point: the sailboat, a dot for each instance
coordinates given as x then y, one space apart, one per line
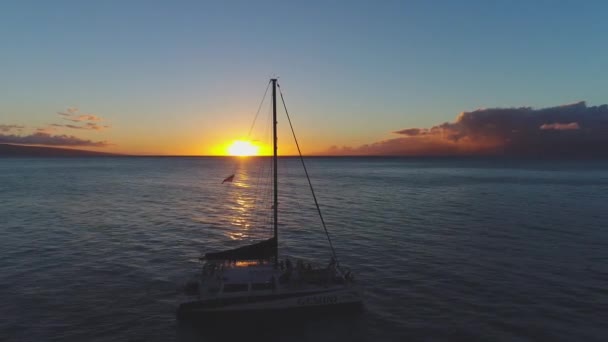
255 279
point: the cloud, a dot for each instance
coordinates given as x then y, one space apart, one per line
42 138
86 126
47 135
81 118
73 114
8 128
69 112
413 131
96 127
572 129
46 130
73 126
83 121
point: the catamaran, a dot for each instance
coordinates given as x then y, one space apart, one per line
255 279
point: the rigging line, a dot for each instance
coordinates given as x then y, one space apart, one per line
312 190
258 112
236 165
257 193
260 189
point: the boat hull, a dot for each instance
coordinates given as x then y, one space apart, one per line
318 302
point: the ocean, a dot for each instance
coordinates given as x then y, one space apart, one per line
96 249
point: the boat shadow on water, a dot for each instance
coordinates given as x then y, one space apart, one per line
344 324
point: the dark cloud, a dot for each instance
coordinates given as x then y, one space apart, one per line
568 130
413 131
8 128
42 138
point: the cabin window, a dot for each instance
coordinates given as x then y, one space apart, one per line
261 286
235 287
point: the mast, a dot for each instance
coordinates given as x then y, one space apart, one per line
275 205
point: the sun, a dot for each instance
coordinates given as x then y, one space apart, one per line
243 148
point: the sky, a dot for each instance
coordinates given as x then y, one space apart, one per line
186 77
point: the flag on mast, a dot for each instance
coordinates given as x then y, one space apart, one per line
228 179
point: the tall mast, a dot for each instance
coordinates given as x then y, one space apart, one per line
275 179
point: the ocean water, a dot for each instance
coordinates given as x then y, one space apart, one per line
96 249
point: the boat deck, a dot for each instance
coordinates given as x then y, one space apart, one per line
237 288
252 279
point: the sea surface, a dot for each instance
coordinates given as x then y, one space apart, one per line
97 249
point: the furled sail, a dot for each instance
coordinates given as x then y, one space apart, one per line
261 250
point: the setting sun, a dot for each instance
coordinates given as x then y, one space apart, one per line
243 148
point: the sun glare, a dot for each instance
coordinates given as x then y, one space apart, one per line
243 148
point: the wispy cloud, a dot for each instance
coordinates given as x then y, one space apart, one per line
46 130
573 129
69 111
9 128
86 126
81 118
73 114
41 138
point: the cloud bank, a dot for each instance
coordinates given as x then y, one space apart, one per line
46 135
567 130
41 138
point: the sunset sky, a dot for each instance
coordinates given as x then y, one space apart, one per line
186 77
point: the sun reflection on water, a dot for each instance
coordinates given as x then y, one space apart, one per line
246 209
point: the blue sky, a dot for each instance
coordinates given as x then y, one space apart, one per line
177 77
